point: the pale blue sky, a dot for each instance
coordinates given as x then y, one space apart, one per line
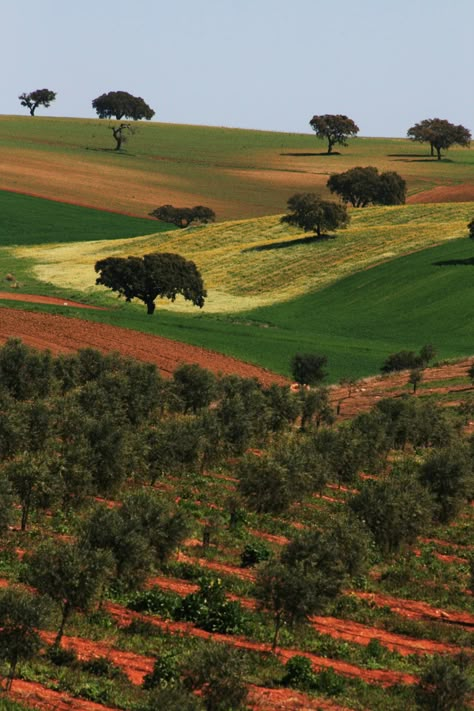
266 64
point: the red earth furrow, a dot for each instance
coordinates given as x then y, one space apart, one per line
39 697
417 610
371 676
60 334
334 627
445 544
363 634
243 573
443 557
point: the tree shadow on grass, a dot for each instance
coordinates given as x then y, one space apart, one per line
417 158
469 262
311 155
289 243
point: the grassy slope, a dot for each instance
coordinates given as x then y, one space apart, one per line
356 320
28 220
239 173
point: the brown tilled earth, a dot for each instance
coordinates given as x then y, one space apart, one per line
61 334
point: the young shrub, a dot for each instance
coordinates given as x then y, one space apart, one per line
218 672
445 685
253 554
154 601
165 673
210 610
299 673
103 667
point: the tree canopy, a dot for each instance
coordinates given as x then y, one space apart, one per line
121 104
39 97
184 216
365 186
440 134
308 211
162 274
335 128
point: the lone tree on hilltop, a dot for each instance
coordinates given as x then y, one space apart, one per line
184 216
39 97
160 274
440 134
121 104
336 128
364 186
312 214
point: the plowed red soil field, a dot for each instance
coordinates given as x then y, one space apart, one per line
65 335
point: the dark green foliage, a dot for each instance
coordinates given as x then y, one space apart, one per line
470 227
38 97
395 510
69 574
242 413
121 104
103 667
184 216
165 673
448 475
335 128
61 657
143 532
210 610
21 615
311 572
365 186
284 407
175 698
315 407
274 479
446 684
160 274
308 368
311 214
33 482
254 553
440 134
417 422
25 373
403 360
194 386
6 500
218 671
299 673
162 456
155 601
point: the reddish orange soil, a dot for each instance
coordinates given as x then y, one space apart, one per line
39 697
443 557
288 700
381 677
416 610
243 573
445 544
363 634
65 335
37 299
445 193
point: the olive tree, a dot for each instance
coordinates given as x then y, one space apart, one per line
38 97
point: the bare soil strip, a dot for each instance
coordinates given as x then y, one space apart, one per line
416 610
60 334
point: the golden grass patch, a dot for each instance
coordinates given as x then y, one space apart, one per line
256 262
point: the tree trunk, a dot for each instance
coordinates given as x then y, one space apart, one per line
11 674
59 636
277 631
438 152
25 510
150 307
330 145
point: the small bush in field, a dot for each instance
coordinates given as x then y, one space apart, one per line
61 657
165 673
154 601
254 553
101 666
299 673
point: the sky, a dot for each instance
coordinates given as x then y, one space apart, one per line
260 64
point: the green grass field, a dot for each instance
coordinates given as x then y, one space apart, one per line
272 292
239 173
